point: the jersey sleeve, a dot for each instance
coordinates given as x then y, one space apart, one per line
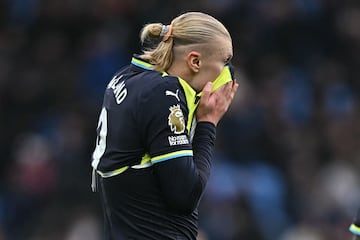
183 181
164 116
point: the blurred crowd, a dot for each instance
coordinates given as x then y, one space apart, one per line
287 163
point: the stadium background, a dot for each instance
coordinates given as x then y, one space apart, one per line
287 161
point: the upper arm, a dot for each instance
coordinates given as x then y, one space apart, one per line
166 139
163 122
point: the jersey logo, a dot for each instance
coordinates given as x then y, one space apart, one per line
178 140
170 93
176 119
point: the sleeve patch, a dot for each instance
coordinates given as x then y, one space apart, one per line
178 140
176 120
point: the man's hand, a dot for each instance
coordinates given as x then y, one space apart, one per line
212 106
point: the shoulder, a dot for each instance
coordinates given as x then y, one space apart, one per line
156 85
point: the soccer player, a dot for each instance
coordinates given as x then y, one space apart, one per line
157 127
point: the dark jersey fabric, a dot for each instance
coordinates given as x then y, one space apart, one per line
158 201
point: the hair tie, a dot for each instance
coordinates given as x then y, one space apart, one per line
166 32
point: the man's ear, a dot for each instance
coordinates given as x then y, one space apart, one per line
193 61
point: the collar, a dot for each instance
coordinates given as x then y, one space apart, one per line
189 91
141 63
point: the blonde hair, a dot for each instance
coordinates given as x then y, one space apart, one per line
188 28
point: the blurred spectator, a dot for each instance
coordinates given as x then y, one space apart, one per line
31 179
302 232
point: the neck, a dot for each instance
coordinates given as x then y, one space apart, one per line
181 71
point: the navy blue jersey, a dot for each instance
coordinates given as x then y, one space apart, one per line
152 162
146 118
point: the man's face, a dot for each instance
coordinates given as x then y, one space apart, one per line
213 62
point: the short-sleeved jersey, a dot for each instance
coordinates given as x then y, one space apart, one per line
146 118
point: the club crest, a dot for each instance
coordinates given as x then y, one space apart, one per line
176 119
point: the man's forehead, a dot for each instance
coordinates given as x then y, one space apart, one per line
226 48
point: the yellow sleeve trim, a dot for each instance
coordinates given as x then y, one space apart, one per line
113 173
172 155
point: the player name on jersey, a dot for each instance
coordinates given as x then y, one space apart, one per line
119 89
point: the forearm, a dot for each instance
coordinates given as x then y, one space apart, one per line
183 180
203 144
